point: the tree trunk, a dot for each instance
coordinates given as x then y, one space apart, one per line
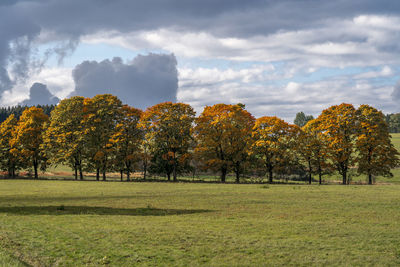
344 176
35 167
369 178
80 172
270 175
122 174
144 170
174 173
223 174
104 174
237 172
320 177
98 174
309 172
128 175
169 176
13 172
76 172
174 169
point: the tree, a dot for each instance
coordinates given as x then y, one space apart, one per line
338 125
273 142
312 148
27 140
302 119
394 122
127 139
223 136
376 154
64 141
8 161
100 116
168 127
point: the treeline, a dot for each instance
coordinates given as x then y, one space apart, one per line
5 112
101 135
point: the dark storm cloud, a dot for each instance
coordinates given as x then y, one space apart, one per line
40 95
16 35
146 81
224 17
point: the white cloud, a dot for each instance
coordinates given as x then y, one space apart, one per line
58 80
386 71
361 41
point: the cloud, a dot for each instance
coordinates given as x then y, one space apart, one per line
269 95
364 40
304 35
386 71
40 95
145 81
396 92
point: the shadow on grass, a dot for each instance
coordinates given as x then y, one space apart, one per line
84 210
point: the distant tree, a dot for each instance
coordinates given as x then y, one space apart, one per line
126 140
64 138
394 122
376 154
100 117
8 161
273 143
5 112
223 136
27 139
338 124
168 128
302 119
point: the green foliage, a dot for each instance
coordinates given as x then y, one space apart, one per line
301 119
168 128
5 112
64 137
394 122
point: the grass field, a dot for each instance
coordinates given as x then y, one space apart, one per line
396 140
44 223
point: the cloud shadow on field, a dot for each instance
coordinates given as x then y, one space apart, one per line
85 210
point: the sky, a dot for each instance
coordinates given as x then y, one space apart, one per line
276 57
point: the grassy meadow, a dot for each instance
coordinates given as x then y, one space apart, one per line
47 223
75 223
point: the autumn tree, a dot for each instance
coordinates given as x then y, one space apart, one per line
223 136
338 124
312 148
64 139
100 116
126 139
273 143
8 160
376 154
168 128
27 140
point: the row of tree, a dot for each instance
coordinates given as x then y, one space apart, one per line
5 112
101 135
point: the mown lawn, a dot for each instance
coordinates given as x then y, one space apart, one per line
45 223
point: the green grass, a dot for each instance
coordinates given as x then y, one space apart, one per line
47 223
396 140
